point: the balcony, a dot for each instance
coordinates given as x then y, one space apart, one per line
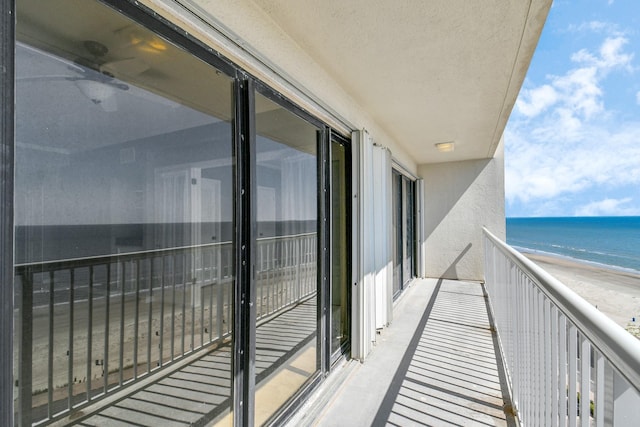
420 371
454 363
519 349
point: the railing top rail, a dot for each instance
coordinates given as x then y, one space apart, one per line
288 236
102 259
616 344
127 256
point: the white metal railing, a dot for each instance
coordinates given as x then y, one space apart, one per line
557 348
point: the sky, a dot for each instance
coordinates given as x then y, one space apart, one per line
572 143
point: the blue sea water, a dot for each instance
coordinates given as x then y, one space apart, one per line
608 241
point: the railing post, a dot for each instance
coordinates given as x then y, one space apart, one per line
136 321
555 396
573 378
122 322
607 395
150 315
562 367
299 259
626 403
527 366
26 348
516 345
90 332
70 339
585 381
538 351
50 386
105 361
548 367
219 295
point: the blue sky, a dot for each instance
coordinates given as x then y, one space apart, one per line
572 144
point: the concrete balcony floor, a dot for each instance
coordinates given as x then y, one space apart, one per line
436 364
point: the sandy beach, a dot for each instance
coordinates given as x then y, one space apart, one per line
615 293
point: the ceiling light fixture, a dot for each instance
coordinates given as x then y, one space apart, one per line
445 147
99 93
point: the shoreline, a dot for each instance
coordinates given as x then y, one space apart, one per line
614 292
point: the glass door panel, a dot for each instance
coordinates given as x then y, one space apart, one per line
340 270
409 240
123 221
286 256
403 199
396 194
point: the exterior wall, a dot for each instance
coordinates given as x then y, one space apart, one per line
459 199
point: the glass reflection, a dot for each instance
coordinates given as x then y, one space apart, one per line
286 287
123 221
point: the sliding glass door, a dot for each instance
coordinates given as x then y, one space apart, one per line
403 199
180 240
340 254
286 288
409 239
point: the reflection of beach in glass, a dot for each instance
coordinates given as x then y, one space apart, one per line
123 214
286 176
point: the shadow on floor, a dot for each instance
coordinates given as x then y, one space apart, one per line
200 392
449 374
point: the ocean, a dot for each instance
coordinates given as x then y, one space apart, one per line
612 242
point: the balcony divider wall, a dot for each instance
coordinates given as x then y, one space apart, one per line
173 216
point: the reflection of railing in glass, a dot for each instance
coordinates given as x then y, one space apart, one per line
285 272
162 305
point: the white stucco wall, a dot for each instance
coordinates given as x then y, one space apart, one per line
459 199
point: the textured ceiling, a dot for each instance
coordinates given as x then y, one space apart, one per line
426 71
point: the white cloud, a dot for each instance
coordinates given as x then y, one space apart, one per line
612 55
562 140
638 98
594 27
549 167
533 102
608 207
580 91
577 93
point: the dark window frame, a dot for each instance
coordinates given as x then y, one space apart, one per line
344 350
405 182
7 144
